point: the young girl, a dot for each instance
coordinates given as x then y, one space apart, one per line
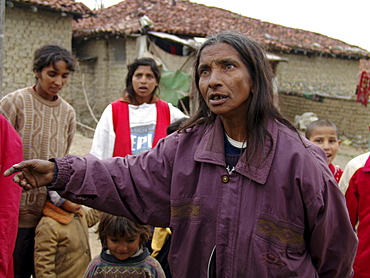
123 250
46 124
134 123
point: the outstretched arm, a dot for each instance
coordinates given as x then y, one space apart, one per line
32 173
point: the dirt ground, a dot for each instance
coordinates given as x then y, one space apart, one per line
81 145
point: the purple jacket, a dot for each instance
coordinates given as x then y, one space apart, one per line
285 218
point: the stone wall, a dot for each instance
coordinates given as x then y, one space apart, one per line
352 118
331 76
25 31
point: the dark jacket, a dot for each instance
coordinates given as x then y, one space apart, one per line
282 216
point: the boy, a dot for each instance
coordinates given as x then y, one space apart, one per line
324 134
62 240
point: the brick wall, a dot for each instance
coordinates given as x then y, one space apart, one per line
104 70
25 31
337 77
351 117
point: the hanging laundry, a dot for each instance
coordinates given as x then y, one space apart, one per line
363 88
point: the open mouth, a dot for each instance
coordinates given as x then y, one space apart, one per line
218 97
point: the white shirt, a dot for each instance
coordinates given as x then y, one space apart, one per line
143 119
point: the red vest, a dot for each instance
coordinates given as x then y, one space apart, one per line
121 125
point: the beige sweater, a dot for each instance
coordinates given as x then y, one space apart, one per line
47 129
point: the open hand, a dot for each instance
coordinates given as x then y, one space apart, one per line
32 173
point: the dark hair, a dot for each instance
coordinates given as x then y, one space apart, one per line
119 226
319 123
260 108
50 54
176 125
131 70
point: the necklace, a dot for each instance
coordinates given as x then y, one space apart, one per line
230 171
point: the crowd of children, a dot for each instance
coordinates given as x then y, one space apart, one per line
53 239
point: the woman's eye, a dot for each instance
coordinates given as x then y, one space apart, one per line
203 72
230 66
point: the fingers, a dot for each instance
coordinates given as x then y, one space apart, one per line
14 169
18 177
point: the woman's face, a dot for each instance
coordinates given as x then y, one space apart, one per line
51 80
144 83
224 81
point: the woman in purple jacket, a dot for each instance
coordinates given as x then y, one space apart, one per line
243 193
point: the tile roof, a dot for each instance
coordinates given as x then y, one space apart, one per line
66 6
182 17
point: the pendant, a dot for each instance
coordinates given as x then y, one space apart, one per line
230 171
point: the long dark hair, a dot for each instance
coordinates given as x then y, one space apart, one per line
131 70
260 108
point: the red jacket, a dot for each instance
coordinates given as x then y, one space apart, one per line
357 178
10 195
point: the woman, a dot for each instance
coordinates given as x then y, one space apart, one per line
46 124
243 193
134 123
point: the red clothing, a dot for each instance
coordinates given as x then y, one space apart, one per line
337 172
10 196
363 88
121 123
358 204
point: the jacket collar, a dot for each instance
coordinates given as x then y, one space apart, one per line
58 214
211 150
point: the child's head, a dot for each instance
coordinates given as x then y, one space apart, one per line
52 65
121 236
324 134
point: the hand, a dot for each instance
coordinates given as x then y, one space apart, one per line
33 173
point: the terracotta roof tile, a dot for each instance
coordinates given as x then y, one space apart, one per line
182 17
67 6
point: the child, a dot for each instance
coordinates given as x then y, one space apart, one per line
355 184
324 134
62 239
46 124
123 250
